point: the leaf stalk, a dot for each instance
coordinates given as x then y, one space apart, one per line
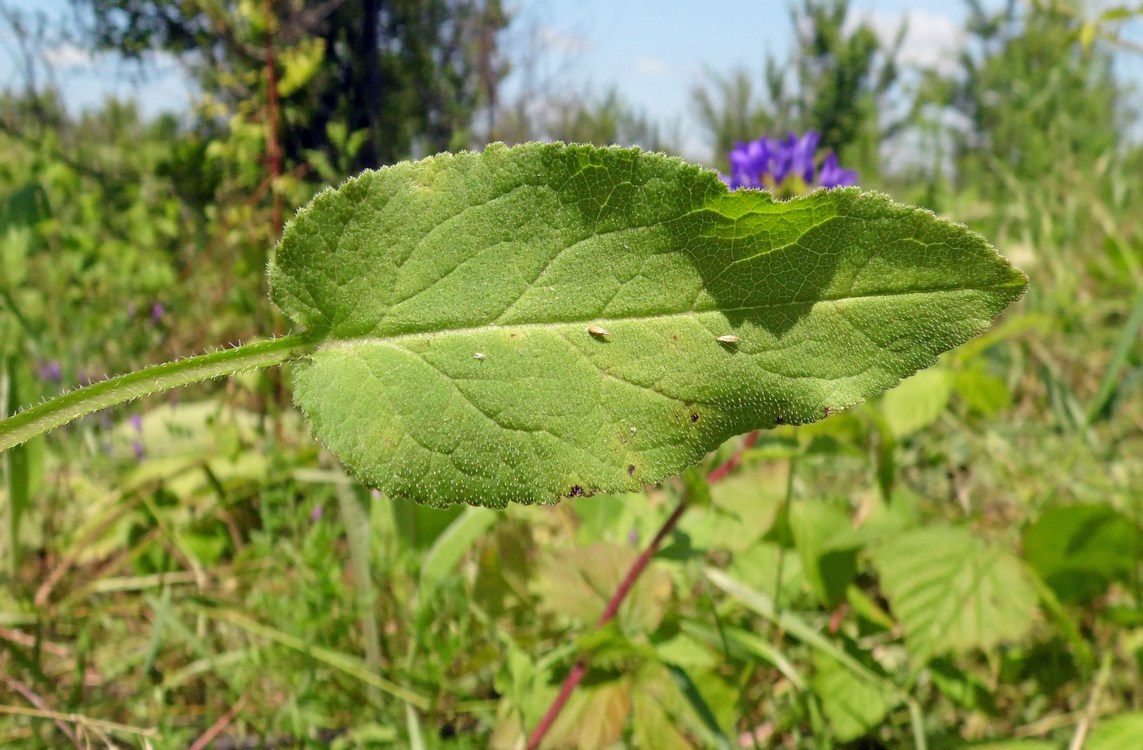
70 406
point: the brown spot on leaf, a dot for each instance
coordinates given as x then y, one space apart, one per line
694 417
576 491
631 470
827 411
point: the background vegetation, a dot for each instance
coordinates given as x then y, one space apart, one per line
957 564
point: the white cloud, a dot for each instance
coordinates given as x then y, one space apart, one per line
69 57
932 40
650 66
558 41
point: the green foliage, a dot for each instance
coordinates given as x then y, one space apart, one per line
853 705
1035 97
216 583
1118 733
603 121
408 73
443 380
1080 550
835 83
952 592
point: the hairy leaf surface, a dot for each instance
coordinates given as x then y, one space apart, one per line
542 321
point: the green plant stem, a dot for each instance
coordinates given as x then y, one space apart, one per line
62 409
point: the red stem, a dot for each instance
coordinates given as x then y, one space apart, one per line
579 670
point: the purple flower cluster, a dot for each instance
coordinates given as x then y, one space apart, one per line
158 310
768 162
50 371
136 421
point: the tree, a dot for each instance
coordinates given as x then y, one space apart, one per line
833 83
1035 99
409 74
580 117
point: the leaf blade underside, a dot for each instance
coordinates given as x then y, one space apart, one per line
454 297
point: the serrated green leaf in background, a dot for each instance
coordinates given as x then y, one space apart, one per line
828 546
917 402
577 582
542 321
953 592
1079 550
652 725
853 705
981 392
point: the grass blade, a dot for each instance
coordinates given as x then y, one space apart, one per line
1128 337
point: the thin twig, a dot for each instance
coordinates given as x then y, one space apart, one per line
1089 714
96 725
579 670
216 728
32 697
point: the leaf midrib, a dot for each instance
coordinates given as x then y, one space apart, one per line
335 342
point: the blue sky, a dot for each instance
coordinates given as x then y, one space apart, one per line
655 52
652 52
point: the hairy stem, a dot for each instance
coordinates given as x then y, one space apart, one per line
62 409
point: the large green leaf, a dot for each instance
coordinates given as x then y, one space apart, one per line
454 299
953 592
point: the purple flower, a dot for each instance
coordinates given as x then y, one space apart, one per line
136 422
795 156
157 311
317 513
749 161
768 162
833 175
137 446
50 371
